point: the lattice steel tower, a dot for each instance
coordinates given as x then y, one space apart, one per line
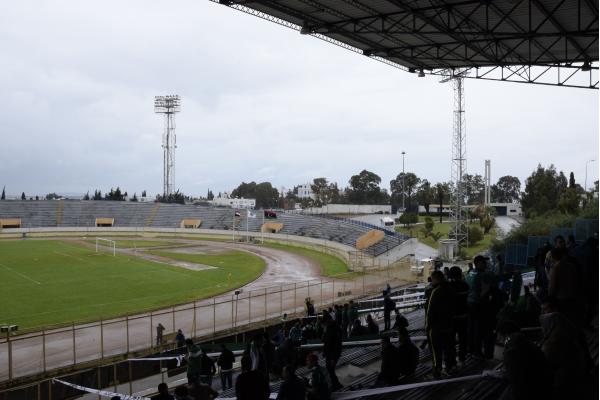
458 215
168 105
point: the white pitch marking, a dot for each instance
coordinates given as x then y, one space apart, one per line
20 274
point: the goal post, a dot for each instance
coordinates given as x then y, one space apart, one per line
107 243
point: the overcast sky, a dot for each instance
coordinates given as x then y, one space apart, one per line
259 102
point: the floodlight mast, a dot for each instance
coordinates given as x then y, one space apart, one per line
168 106
458 214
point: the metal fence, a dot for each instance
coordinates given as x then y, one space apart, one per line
38 352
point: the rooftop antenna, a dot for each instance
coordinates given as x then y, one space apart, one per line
168 105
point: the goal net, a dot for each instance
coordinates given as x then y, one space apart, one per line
106 243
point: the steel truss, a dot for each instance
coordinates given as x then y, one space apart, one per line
489 38
458 214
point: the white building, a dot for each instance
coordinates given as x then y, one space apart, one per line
224 200
305 192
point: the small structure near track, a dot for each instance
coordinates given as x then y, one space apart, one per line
105 222
369 239
10 223
190 223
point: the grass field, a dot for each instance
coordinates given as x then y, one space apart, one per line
330 265
48 282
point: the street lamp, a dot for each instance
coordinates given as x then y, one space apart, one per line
403 188
586 165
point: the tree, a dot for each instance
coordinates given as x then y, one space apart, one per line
86 196
37 198
210 195
475 235
474 189
569 200
487 222
134 198
365 189
406 187
97 195
425 195
408 218
115 195
324 191
543 189
144 193
572 180
3 196
264 193
442 193
428 227
176 197
506 190
23 197
52 196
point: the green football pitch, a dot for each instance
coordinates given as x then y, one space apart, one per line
47 282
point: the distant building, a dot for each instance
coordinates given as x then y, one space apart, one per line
509 209
305 192
224 200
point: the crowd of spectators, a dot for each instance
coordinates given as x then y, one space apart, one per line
467 314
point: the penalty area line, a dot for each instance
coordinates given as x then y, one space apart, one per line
20 274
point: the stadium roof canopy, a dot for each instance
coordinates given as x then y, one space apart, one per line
531 41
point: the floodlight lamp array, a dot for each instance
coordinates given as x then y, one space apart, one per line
167 104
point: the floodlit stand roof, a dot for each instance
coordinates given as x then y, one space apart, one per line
531 41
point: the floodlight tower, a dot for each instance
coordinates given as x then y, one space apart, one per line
458 214
168 105
487 179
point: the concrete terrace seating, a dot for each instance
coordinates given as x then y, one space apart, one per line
74 213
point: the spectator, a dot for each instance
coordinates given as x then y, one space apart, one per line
207 369
332 350
182 393
256 354
292 387
481 317
180 338
408 353
296 334
279 337
446 273
159 333
527 309
285 354
199 391
460 320
372 327
525 369
319 385
439 324
353 312
251 384
268 351
163 392
400 321
345 319
565 354
516 286
357 329
338 313
310 307
565 286
193 361
225 363
390 369
389 305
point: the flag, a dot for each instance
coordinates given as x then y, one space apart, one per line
270 214
237 214
250 214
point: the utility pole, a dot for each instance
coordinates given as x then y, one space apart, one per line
403 180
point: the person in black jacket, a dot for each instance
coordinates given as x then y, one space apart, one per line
389 305
332 348
390 369
225 362
293 387
251 384
461 323
439 324
408 353
207 369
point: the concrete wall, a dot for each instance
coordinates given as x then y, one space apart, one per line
350 209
